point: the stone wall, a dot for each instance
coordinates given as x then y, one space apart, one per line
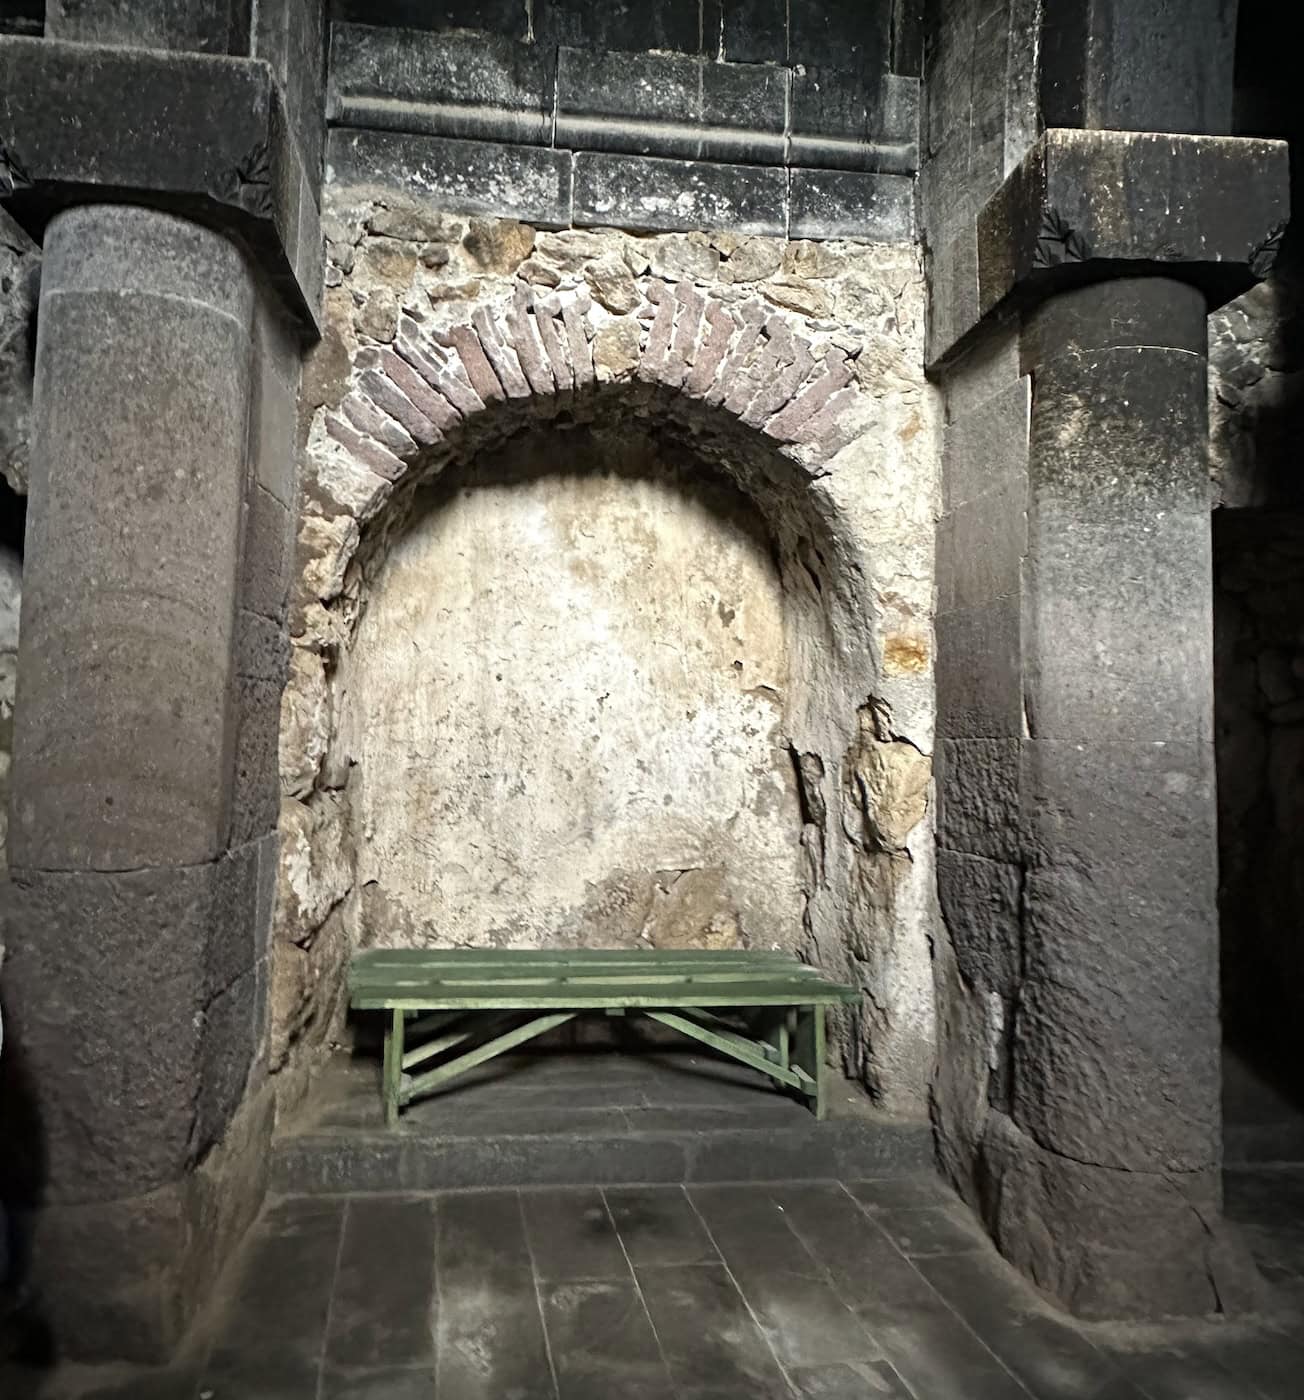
726 442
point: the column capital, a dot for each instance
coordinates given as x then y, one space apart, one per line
1084 206
204 136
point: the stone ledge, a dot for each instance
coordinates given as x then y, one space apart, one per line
663 104
1088 205
201 136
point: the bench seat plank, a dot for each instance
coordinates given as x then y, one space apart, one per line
550 986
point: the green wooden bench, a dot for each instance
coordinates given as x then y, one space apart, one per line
441 1002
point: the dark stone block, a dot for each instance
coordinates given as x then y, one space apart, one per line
271 1337
642 193
781 1280
840 123
978 797
980 689
980 903
601 1342
109 1281
986 447
908 37
987 537
109 982
380 1312
132 560
1039 1347
854 35
473 177
1119 435
751 31
507 17
1107 1243
206 137
1161 66
1205 209
268 555
255 786
1126 312
572 1236
216 27
1118 1026
708 1336
659 1228
497 1352
385 77
670 105
1117 627
627 25
846 204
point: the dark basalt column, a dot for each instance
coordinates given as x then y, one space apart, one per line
142 841
1077 1100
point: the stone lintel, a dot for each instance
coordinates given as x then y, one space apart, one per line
203 136
1088 206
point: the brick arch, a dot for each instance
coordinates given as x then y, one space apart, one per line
418 396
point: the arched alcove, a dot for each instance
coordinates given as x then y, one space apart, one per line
567 706
594 648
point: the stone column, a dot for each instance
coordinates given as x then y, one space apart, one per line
1078 1097
1103 1171
141 794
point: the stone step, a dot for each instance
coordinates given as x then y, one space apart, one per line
588 1120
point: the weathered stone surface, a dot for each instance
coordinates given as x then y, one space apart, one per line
136 964
980 903
499 245
1108 1243
978 797
20 264
753 260
980 685
848 204
639 192
207 136
689 257
166 553
616 346
468 177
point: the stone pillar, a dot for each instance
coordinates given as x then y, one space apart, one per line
142 842
1103 1164
1077 1101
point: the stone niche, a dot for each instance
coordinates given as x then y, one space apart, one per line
565 705
614 616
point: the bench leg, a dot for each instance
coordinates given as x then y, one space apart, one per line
392 1077
808 1053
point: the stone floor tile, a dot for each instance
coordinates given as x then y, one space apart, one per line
855 1380
862 1262
935 1230
1044 1350
384 1289
268 1344
1270 1361
937 1355
658 1226
788 1290
489 1333
1178 1374
902 1192
601 1340
389 1383
572 1236
709 1339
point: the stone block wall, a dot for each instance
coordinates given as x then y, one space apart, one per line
784 374
794 120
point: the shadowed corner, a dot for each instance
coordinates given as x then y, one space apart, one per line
27 1342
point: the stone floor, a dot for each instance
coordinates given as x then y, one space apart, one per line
877 1286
